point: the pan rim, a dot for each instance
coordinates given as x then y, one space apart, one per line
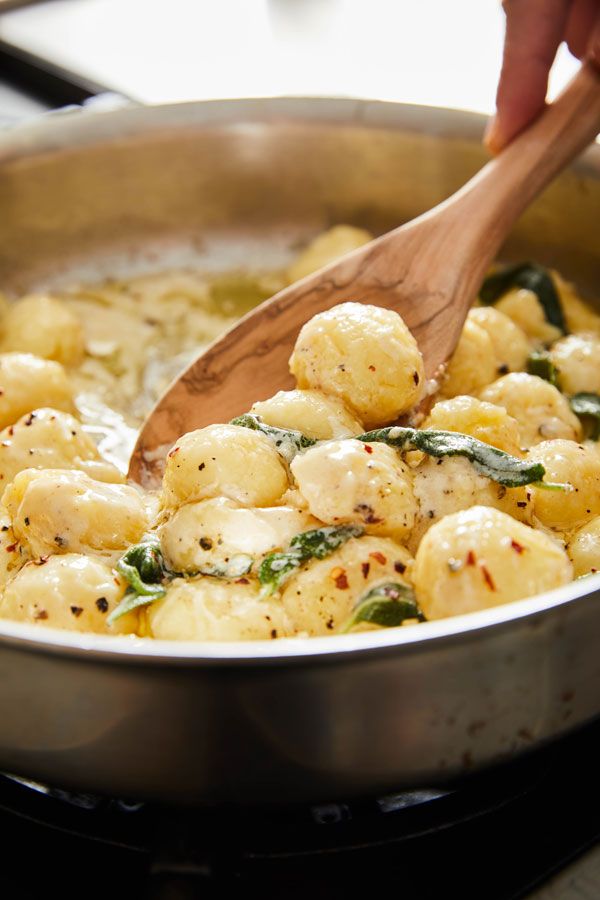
530 612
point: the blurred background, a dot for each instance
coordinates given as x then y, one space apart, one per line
436 52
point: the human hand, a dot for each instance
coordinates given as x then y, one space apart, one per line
534 31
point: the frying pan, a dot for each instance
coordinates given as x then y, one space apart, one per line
223 184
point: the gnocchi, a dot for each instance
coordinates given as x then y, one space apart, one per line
351 481
61 511
224 461
539 408
365 356
481 557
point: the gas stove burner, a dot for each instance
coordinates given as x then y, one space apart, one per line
493 835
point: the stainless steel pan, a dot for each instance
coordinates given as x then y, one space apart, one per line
245 181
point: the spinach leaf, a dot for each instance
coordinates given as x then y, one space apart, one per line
317 543
386 605
143 568
540 364
532 277
587 406
287 441
489 461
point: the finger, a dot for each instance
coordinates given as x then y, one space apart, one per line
580 25
593 48
534 29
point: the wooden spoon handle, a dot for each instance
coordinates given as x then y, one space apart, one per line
508 183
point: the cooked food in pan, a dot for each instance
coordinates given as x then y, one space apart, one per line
314 513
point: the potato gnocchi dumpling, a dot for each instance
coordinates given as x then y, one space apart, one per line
326 248
11 555
208 610
213 533
445 486
364 483
472 365
526 311
580 317
60 511
480 558
485 421
72 591
321 598
28 382
510 343
313 413
577 361
584 549
578 468
364 355
539 408
50 439
44 326
224 461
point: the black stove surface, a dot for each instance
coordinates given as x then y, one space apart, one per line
495 836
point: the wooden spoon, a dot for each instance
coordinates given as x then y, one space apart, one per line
429 270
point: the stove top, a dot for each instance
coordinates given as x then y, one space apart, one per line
495 836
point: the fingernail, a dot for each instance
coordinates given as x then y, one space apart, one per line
491 135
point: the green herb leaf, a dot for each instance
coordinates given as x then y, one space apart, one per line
287 441
320 542
146 560
132 601
317 543
143 568
587 406
532 277
489 461
386 605
540 364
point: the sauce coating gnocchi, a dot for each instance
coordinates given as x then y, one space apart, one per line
313 514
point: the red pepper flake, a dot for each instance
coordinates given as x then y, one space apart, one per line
41 614
379 557
368 448
471 558
365 568
372 369
488 578
10 548
518 548
173 452
340 578
242 581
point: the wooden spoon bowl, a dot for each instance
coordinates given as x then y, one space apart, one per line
428 270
